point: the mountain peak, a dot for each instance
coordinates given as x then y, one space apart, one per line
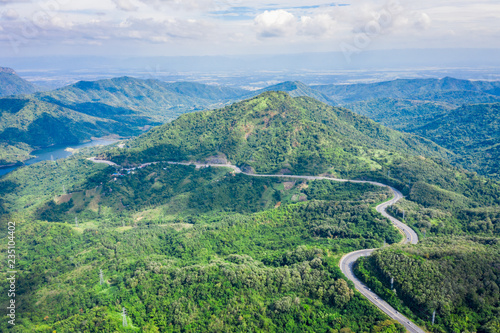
7 70
13 84
271 132
297 89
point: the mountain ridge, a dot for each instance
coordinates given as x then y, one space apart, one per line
425 89
12 84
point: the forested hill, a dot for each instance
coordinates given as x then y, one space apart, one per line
274 131
38 123
12 84
157 100
472 132
27 123
448 90
122 106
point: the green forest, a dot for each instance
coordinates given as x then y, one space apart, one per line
458 277
187 249
219 252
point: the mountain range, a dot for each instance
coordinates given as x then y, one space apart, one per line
448 90
206 249
127 106
123 106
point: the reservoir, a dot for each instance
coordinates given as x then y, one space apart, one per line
55 153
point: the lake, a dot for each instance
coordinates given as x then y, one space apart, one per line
55 153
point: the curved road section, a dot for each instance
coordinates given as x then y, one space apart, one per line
347 266
347 261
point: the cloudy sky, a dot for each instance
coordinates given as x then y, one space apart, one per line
221 27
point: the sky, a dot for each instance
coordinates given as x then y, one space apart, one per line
224 27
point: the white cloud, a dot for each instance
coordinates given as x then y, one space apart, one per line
10 14
282 23
181 4
318 25
125 5
422 21
275 23
250 26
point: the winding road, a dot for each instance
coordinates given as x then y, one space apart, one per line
348 260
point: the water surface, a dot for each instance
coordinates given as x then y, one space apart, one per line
56 153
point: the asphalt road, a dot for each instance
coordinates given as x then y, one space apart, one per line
348 260
347 266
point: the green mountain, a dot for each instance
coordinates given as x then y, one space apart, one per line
273 132
448 90
296 89
206 250
39 123
155 100
27 124
472 132
400 114
122 106
12 84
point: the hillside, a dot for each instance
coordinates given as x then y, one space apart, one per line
448 90
274 131
156 100
208 250
471 131
400 114
12 84
122 106
459 277
27 124
39 123
172 239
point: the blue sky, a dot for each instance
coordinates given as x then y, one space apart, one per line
223 27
